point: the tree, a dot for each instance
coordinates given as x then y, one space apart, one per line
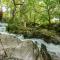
57 9
49 6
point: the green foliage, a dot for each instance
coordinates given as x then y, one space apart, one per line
36 11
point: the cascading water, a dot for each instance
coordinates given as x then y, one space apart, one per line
52 48
3 27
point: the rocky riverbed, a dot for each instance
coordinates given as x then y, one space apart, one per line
15 47
12 48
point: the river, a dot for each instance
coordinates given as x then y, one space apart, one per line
51 48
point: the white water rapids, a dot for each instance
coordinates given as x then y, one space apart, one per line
50 46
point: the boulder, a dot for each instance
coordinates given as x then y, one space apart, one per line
54 56
12 48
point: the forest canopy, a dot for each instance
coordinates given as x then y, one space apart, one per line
30 12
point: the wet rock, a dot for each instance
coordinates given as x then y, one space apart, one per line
25 50
44 53
21 50
54 56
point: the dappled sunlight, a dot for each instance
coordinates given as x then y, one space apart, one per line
4 9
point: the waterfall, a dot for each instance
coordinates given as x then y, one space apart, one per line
3 27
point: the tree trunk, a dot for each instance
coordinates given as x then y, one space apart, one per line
1 15
34 20
49 19
24 24
59 18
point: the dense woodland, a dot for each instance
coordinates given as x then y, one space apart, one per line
31 16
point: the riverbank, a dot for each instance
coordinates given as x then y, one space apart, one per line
50 36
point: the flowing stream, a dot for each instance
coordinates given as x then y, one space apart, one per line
52 48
